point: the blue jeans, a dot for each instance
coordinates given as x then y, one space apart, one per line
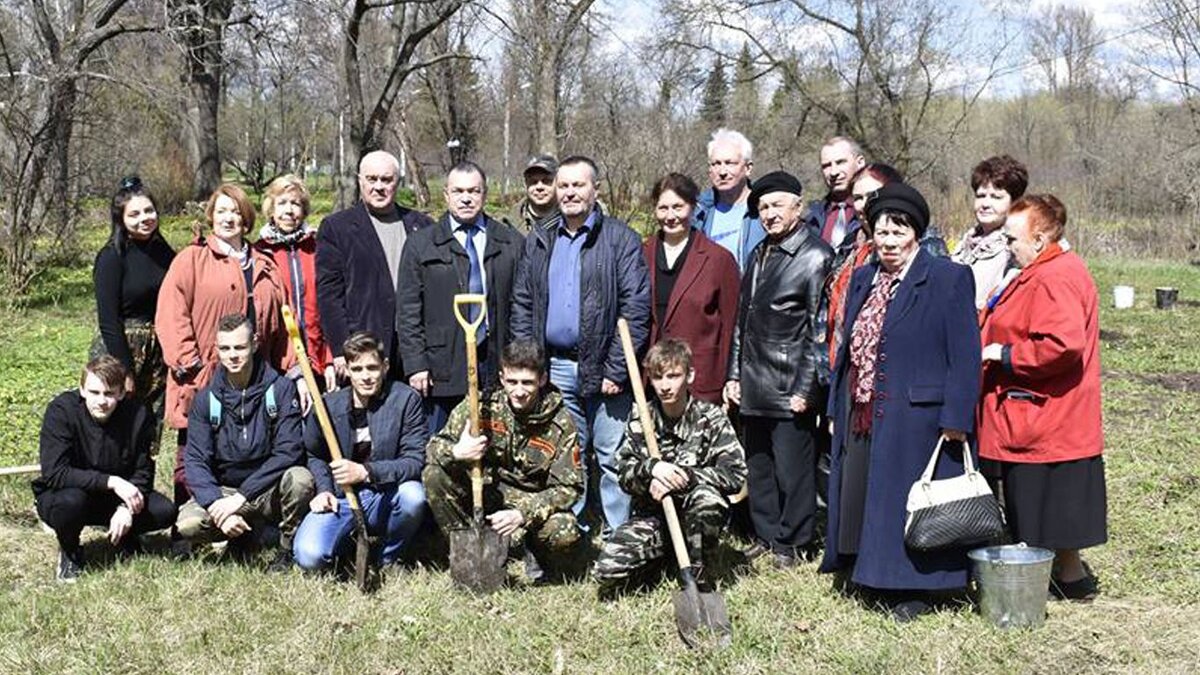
438 409
396 511
601 422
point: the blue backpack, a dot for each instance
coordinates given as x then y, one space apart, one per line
214 410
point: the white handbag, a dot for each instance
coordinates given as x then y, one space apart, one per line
951 512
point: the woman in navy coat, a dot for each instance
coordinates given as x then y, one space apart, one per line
906 374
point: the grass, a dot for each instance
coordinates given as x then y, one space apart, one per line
153 615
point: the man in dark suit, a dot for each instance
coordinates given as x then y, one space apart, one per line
358 261
465 252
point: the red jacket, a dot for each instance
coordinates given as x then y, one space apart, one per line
297 266
1041 404
202 285
702 309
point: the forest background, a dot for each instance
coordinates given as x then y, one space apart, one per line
1100 99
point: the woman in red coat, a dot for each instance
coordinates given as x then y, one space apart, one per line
694 285
292 244
1039 418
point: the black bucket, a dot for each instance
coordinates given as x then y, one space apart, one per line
1165 297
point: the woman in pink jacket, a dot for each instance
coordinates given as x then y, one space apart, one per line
219 274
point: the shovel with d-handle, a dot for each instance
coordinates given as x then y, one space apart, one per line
477 553
701 617
363 542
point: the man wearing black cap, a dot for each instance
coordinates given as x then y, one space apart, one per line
539 206
773 369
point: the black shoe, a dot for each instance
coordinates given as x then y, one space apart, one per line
786 560
283 562
756 549
907 609
70 565
534 573
1080 590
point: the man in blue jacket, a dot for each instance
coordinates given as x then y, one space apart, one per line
381 432
579 275
721 211
243 454
358 261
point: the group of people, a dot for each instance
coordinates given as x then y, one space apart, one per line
799 354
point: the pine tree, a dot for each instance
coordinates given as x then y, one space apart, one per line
716 91
745 104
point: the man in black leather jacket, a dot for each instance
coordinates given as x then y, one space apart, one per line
774 369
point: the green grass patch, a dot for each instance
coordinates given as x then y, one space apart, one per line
153 615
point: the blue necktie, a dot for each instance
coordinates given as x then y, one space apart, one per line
474 278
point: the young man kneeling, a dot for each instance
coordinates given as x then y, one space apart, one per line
381 431
530 461
96 466
702 466
244 450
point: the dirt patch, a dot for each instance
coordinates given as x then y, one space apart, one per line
1112 335
1186 382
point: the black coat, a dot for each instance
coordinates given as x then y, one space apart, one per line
433 270
354 285
614 282
76 451
780 330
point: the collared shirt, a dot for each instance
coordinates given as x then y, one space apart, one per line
479 239
833 233
562 312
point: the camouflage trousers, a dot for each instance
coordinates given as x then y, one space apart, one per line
641 544
448 494
149 372
285 504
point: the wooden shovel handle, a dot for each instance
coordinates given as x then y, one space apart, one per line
335 450
469 327
651 436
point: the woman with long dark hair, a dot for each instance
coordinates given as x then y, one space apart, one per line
127 276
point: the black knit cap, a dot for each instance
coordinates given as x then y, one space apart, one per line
776 181
899 197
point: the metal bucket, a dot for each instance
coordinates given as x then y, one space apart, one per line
1013 581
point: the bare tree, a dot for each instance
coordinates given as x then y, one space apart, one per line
1068 35
39 116
410 23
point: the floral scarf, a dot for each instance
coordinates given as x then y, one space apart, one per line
864 348
277 237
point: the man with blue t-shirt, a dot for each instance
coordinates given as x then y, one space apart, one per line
721 211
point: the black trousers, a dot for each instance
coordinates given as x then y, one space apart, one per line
69 510
781 459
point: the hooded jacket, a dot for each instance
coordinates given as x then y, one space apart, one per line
248 450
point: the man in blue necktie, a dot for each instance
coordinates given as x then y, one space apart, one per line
465 252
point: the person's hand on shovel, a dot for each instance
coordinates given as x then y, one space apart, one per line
469 448
506 522
346 472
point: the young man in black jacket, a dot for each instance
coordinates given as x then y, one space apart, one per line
96 466
244 449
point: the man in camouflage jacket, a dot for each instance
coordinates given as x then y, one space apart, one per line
530 460
702 466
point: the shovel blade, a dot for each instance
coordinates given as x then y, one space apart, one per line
365 577
702 618
477 557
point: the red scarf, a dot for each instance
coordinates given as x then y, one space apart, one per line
864 348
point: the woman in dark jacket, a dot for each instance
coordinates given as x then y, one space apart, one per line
128 273
907 374
694 285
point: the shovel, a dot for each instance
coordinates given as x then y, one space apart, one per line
702 618
363 542
477 553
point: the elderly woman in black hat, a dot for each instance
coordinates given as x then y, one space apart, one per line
775 369
907 375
